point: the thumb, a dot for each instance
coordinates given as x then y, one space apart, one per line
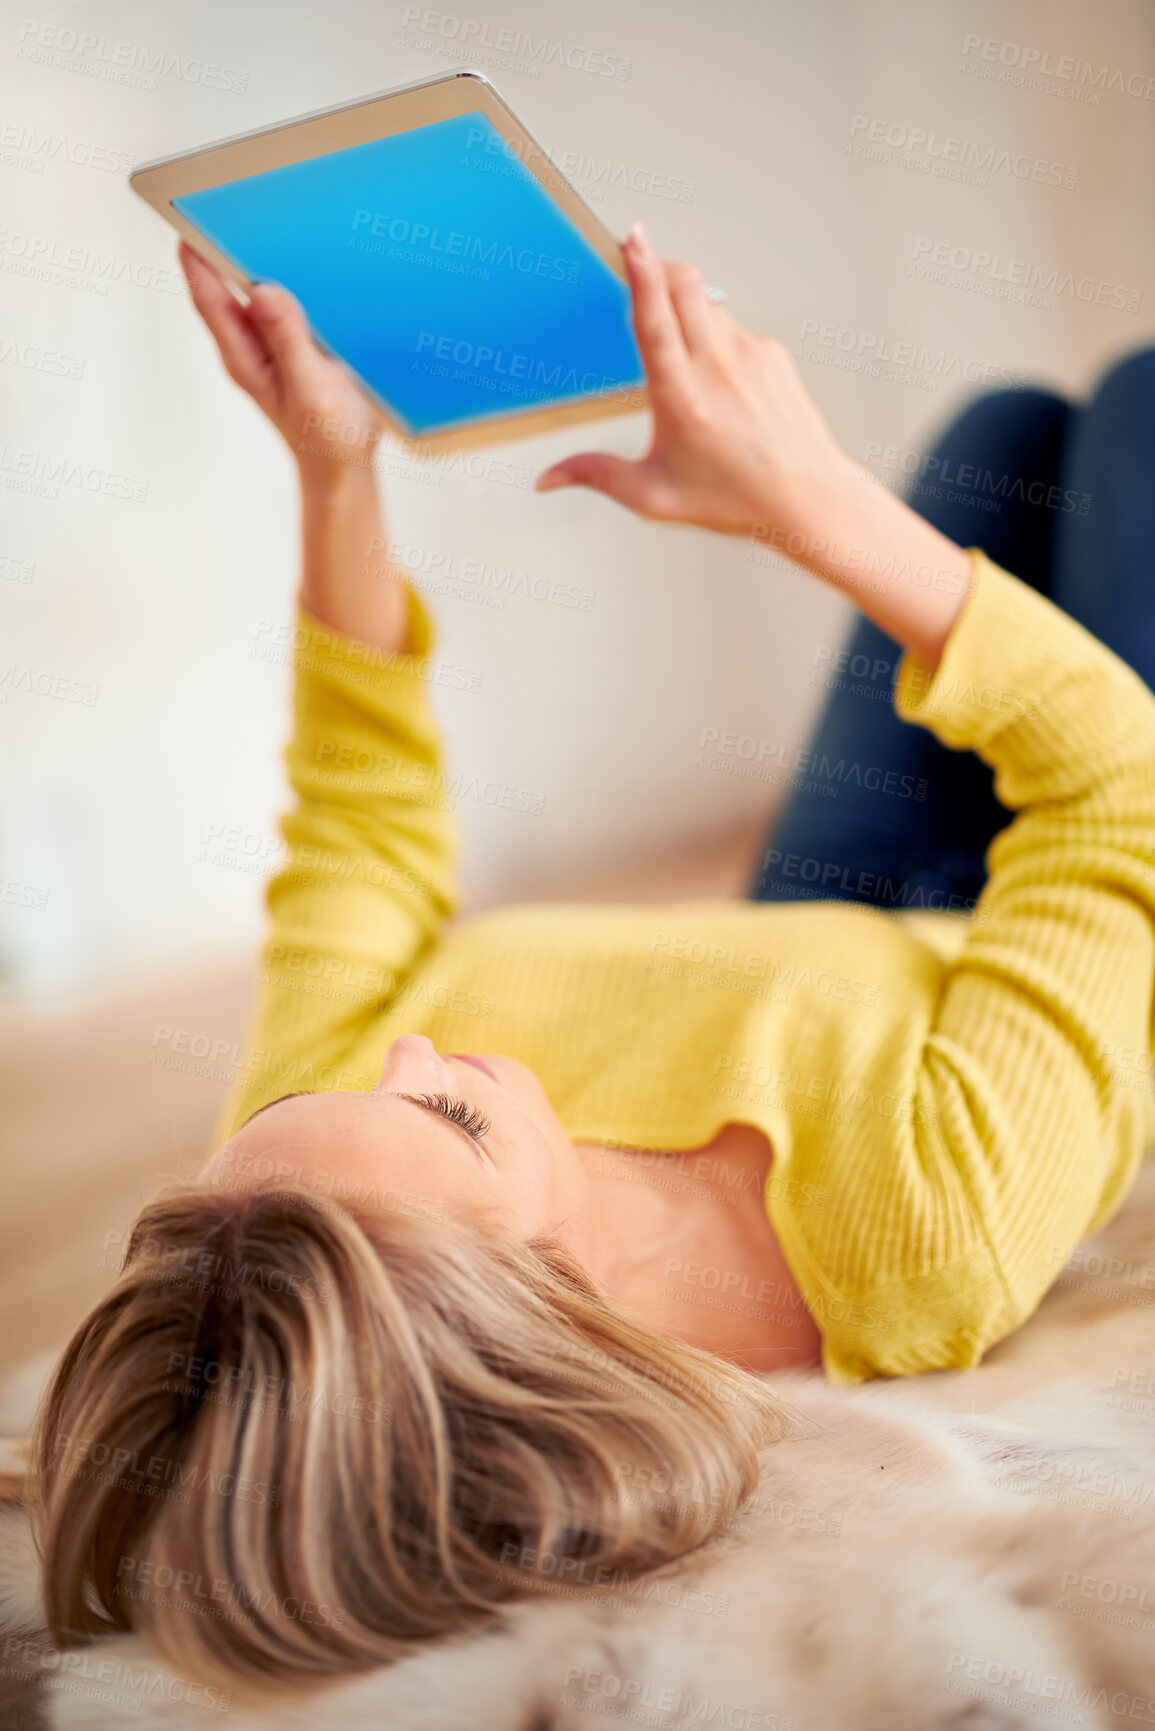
602 472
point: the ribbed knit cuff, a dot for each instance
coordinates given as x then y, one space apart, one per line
328 661
995 666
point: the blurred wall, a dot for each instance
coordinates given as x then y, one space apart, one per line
809 157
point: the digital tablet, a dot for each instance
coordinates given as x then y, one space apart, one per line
436 250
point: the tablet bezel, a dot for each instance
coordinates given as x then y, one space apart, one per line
444 97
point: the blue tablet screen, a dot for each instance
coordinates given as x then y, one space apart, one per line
438 267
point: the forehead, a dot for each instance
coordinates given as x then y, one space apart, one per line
308 1133
373 1152
312 1113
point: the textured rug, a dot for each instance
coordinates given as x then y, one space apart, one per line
965 1551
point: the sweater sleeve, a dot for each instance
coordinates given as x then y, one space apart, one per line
1024 1135
369 873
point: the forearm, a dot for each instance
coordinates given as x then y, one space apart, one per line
898 569
369 874
347 581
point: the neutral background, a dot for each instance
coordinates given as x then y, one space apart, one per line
121 919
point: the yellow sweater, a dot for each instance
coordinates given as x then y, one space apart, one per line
951 1101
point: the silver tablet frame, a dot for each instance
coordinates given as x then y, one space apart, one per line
444 97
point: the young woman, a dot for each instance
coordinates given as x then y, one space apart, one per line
504 1213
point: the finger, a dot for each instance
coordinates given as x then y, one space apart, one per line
281 325
242 351
696 313
614 476
659 334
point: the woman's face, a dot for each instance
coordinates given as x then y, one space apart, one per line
395 1147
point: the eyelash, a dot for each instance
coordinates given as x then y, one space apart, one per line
459 1112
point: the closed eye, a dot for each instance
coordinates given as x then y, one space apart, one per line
468 1118
460 1112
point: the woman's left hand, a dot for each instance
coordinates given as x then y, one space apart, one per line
315 404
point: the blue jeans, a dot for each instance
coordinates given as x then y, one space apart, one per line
1063 497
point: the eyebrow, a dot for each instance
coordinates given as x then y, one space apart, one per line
413 1100
269 1104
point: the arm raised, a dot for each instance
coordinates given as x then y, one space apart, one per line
738 447
369 875
267 350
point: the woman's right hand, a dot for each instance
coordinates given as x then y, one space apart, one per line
738 447
737 443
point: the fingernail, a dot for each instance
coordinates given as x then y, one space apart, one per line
265 296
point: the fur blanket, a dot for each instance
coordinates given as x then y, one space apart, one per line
959 1553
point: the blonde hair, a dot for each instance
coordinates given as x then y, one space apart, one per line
294 1442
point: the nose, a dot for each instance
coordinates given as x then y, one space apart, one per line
414 1065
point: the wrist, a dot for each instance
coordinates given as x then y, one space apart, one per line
811 515
335 478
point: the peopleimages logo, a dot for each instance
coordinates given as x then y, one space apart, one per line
1026 1690
1035 65
1014 278
24 146
143 1579
931 152
504 46
971 484
455 247
119 62
488 152
508 371
880 356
